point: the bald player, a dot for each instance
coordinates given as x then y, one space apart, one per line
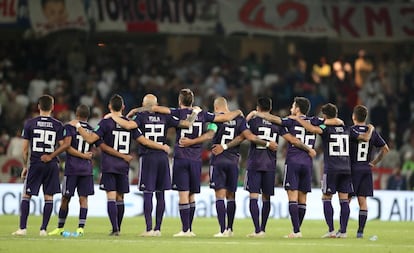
154 175
224 169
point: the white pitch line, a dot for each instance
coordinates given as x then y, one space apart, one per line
212 242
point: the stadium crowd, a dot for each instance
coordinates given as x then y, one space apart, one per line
75 75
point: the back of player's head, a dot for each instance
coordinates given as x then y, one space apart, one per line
220 102
303 104
330 110
46 103
264 104
186 97
82 111
149 100
360 113
116 102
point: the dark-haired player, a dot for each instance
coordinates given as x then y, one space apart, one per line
114 179
362 160
337 166
154 173
261 163
187 154
298 165
41 136
78 172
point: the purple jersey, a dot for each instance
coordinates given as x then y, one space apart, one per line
119 139
226 132
335 140
361 151
295 154
154 126
261 158
44 133
75 165
193 152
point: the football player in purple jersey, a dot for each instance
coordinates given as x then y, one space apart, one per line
41 136
224 167
79 172
154 173
337 166
187 163
362 161
261 163
114 178
298 165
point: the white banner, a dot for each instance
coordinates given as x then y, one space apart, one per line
275 17
364 21
8 11
164 16
344 20
51 16
386 205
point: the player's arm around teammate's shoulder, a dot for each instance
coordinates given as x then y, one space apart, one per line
89 137
224 117
187 123
269 117
307 125
299 144
134 111
333 122
367 135
126 124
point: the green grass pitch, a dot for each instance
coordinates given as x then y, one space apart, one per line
392 237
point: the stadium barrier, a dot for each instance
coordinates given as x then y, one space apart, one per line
385 205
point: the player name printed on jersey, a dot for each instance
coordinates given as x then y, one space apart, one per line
44 123
154 119
339 129
230 123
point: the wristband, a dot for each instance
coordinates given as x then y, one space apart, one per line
78 125
225 147
267 144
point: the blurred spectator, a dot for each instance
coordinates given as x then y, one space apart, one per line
392 158
362 69
371 93
321 72
407 148
397 181
14 113
408 169
37 87
15 147
342 70
215 84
